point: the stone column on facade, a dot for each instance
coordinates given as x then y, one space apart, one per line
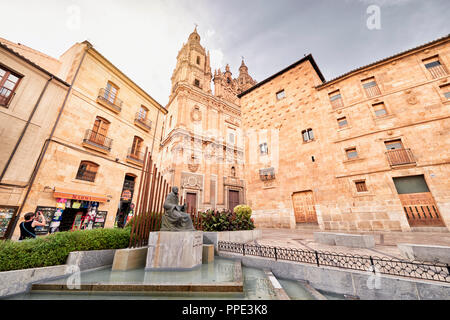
207 183
220 164
185 108
179 160
180 115
221 126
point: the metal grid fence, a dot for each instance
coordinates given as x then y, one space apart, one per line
381 265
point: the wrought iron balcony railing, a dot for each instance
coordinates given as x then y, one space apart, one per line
437 71
372 89
135 156
398 157
267 174
5 96
97 140
143 121
110 99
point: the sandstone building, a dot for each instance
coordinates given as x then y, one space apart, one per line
367 151
202 149
83 150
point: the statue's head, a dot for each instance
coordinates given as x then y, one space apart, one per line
175 190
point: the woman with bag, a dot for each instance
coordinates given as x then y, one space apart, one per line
31 222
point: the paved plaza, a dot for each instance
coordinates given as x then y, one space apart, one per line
385 242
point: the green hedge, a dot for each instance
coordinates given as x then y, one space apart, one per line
54 249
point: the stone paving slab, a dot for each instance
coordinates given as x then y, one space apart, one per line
304 239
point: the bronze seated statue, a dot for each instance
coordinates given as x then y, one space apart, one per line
175 217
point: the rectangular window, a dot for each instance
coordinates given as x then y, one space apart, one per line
308 135
435 67
197 83
87 171
336 99
8 84
281 95
263 148
394 144
351 153
371 87
231 136
361 186
379 109
445 89
342 122
198 60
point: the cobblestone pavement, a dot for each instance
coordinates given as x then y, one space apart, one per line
385 242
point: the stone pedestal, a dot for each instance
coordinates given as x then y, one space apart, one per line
174 250
208 253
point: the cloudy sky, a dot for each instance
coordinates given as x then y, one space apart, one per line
142 37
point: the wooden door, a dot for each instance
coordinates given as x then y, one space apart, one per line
418 202
421 210
233 199
304 208
191 202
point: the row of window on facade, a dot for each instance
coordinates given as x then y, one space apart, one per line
371 88
397 154
98 137
9 83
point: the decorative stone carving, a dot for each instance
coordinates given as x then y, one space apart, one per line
192 181
196 114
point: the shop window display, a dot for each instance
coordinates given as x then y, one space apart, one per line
6 216
69 215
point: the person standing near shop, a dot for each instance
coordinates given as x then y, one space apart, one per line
129 215
31 222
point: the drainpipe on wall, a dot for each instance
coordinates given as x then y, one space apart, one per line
24 129
38 165
156 127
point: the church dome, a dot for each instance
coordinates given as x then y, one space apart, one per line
194 36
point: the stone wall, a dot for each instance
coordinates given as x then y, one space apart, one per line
416 112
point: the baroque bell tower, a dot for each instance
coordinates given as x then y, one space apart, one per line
202 146
193 65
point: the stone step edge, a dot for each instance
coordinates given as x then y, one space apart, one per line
236 287
276 286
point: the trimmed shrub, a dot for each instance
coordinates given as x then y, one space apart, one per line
243 211
54 249
214 220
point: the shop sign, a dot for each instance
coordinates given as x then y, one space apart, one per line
126 195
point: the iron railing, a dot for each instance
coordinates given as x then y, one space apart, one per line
372 89
152 193
97 140
437 71
381 265
398 157
111 100
5 96
143 121
136 156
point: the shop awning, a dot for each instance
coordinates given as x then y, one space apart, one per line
79 195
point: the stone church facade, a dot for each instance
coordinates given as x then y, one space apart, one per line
366 151
202 150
